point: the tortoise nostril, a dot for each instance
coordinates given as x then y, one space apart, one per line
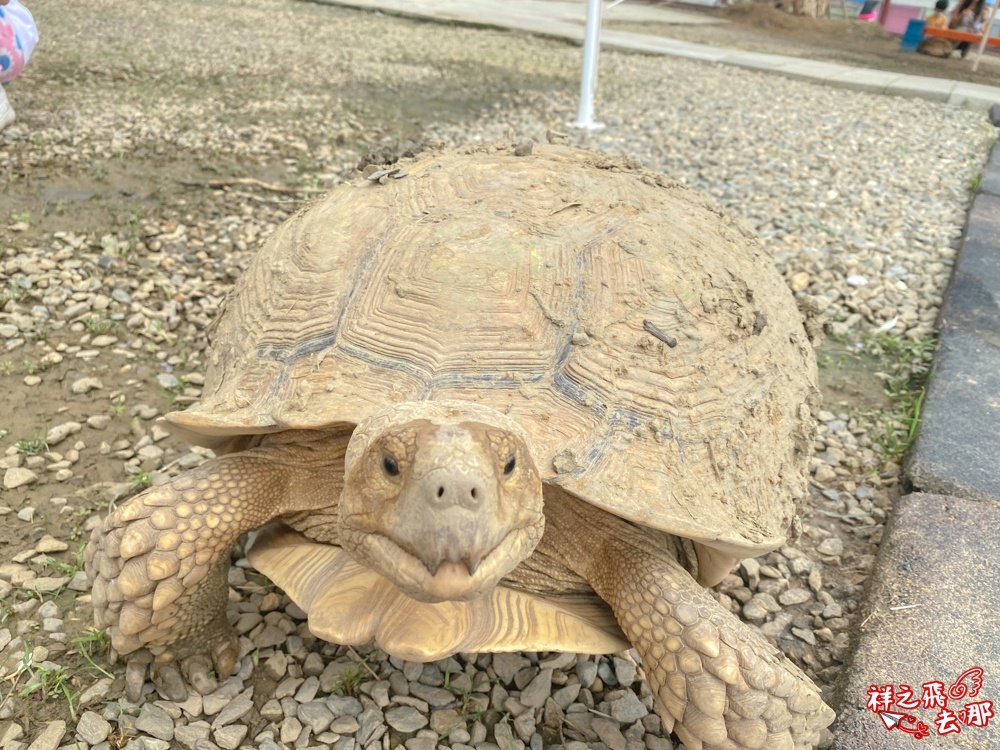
440 492
473 492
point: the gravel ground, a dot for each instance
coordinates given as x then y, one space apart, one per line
111 268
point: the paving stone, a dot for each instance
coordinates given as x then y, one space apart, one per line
930 614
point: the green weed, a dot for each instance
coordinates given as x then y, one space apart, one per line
13 293
908 363
350 681
97 324
69 569
141 480
91 642
35 445
47 682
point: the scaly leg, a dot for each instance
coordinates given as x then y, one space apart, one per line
717 683
159 563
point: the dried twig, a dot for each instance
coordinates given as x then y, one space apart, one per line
650 327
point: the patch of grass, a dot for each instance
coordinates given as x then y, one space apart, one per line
90 642
908 363
24 216
12 293
69 569
975 175
141 480
117 407
47 682
350 681
97 324
35 445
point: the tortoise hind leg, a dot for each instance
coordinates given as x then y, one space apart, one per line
159 563
717 683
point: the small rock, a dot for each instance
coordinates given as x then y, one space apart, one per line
49 543
92 728
832 546
794 596
155 721
628 708
190 735
96 692
229 738
237 709
405 719
98 421
50 737
344 725
315 715
506 665
586 671
18 477
45 585
609 734
800 281
537 690
291 728
307 691
62 431
624 671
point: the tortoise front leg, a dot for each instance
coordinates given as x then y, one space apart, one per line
717 683
159 564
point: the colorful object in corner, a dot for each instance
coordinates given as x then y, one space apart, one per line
18 37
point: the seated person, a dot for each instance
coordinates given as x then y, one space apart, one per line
938 19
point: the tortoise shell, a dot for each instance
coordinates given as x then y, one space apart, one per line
646 343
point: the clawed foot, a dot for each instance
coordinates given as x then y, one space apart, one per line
201 670
159 568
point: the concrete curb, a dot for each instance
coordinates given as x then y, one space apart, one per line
930 614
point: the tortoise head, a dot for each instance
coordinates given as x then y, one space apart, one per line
442 498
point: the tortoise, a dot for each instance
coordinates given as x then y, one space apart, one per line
493 402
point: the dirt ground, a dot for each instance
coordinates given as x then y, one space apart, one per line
760 27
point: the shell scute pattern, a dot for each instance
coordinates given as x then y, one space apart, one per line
634 336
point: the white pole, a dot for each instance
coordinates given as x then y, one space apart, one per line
987 28
588 82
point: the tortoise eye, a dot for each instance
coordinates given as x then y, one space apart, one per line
508 468
390 466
